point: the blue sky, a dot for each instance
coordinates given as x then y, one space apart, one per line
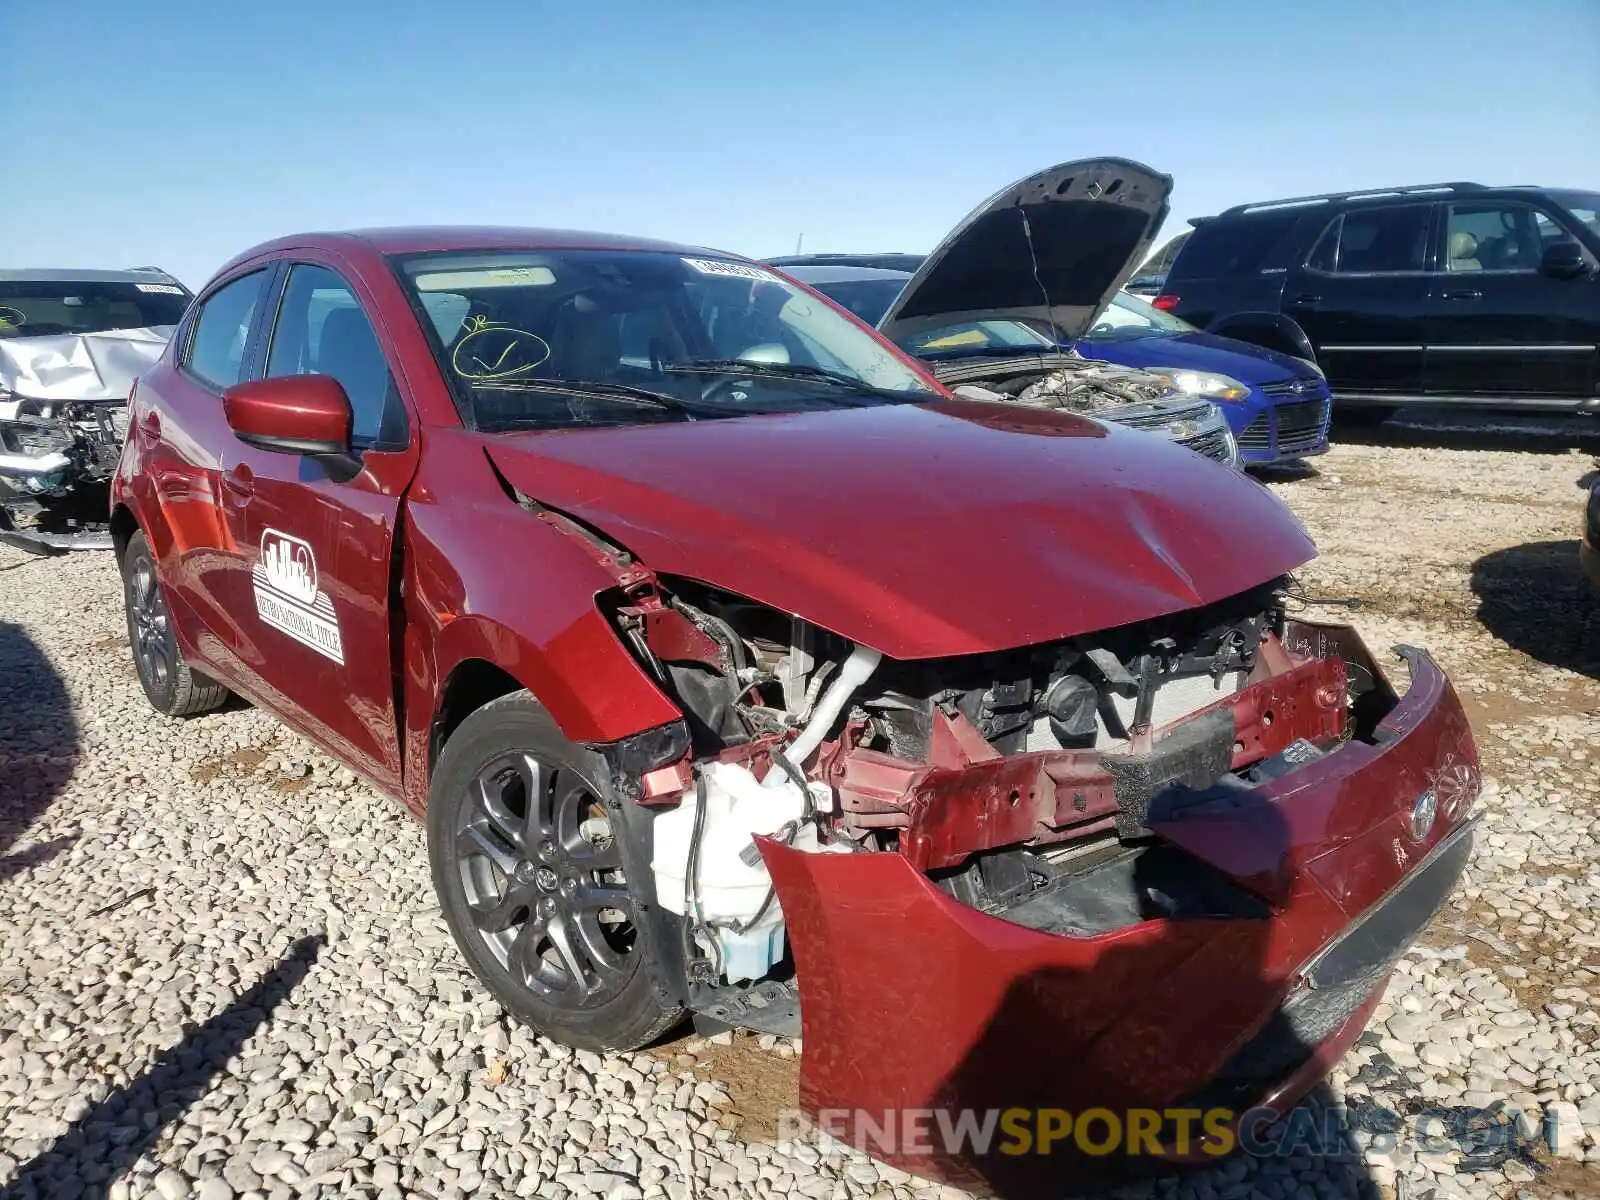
181 132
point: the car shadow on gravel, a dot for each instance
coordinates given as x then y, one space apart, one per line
1534 598
39 747
116 1132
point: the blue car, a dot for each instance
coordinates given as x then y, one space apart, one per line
1277 406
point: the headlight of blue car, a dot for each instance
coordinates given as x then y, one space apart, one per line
1209 385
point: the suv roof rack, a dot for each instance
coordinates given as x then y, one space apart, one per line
1414 189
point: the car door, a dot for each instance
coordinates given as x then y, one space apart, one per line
1360 297
1497 326
181 431
320 540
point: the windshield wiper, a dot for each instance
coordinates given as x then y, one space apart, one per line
643 397
804 372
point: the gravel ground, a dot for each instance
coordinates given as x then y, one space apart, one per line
222 973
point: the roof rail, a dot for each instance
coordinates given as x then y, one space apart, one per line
1414 189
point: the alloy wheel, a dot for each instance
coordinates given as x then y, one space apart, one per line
152 641
543 879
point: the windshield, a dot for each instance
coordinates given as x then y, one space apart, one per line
595 337
868 299
1128 318
39 309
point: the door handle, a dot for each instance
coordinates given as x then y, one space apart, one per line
1307 299
1464 294
240 482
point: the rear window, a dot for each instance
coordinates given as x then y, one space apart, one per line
868 299
1217 249
44 308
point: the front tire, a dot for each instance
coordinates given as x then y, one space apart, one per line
532 877
173 688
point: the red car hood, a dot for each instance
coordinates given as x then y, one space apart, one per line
921 530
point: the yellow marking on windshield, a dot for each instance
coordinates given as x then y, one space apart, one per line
526 350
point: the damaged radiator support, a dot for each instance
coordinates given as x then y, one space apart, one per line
970 798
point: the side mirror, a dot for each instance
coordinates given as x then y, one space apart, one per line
297 414
1564 260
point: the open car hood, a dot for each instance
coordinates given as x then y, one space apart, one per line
921 531
1053 247
86 366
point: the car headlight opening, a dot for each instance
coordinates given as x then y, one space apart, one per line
1208 384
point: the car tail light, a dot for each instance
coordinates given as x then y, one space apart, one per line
1166 302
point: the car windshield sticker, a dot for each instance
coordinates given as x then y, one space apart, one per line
716 266
165 289
287 596
489 351
485 277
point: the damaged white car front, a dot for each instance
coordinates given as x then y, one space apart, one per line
72 343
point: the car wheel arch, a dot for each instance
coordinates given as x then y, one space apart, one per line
123 527
476 660
471 684
1271 331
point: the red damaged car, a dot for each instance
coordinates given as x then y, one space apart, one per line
738 668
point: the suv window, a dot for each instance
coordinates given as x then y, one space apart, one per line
1373 241
322 329
1493 236
1220 248
222 326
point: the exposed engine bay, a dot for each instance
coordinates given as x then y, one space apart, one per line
1063 381
56 461
1024 782
1125 395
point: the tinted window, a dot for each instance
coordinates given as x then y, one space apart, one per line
39 309
216 347
1220 248
1492 237
1376 240
322 329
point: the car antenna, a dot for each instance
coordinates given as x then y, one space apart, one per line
1033 255
799 241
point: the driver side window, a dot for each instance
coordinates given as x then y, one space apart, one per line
322 329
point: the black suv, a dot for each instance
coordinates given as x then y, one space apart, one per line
1450 293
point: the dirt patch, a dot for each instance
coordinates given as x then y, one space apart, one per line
760 1083
243 760
1560 1178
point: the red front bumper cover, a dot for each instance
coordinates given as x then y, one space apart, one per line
913 1002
